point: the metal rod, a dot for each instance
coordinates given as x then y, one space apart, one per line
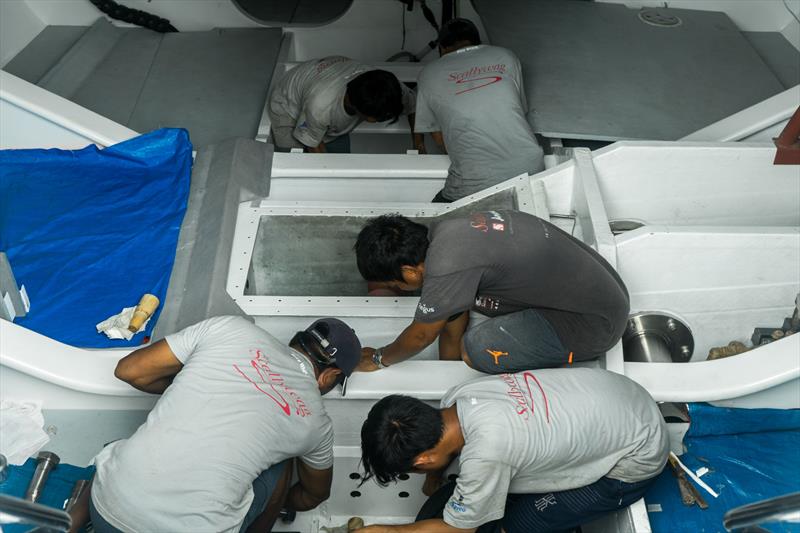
46 462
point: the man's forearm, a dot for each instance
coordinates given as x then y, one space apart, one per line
319 149
153 387
300 500
435 525
408 344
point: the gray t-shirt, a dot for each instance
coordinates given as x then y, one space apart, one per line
310 97
543 431
241 403
498 262
474 96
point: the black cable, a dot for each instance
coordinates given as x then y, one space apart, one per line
134 16
403 44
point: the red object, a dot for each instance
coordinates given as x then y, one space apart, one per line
788 142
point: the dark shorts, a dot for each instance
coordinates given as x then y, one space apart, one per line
524 340
263 486
551 512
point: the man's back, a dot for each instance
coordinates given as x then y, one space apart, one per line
474 96
552 430
312 95
241 403
511 261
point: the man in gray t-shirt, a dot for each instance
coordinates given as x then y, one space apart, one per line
322 100
543 450
236 407
473 102
550 298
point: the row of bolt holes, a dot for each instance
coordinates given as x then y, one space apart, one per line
402 477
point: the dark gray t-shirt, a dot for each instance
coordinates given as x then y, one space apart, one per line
499 262
550 430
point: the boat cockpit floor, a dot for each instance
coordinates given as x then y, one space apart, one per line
213 83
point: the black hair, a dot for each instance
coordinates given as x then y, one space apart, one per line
388 242
398 429
376 94
458 30
305 342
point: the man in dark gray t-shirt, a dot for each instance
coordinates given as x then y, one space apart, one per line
551 299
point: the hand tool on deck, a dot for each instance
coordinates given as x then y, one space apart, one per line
689 493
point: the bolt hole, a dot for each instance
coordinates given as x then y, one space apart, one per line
355 494
355 475
403 494
403 477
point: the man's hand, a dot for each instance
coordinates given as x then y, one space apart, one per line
433 482
419 143
367 364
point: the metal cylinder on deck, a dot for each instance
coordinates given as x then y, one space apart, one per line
46 461
657 338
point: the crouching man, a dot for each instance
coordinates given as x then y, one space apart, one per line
318 103
215 453
539 451
549 297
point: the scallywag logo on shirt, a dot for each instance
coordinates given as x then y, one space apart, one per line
487 74
273 385
491 220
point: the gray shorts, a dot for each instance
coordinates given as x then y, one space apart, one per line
263 486
524 340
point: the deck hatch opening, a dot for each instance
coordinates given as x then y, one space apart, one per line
312 255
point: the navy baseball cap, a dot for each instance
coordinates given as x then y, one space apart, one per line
338 341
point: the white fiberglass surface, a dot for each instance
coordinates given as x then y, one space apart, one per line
722 282
398 502
692 184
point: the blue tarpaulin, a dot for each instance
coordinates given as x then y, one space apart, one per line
57 489
751 454
88 232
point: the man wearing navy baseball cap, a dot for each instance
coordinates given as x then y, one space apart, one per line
216 452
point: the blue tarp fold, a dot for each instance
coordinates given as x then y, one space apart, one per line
751 454
88 232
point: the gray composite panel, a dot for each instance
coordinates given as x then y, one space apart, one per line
213 83
596 71
44 51
778 53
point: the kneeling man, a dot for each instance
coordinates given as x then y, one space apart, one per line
539 451
215 453
550 297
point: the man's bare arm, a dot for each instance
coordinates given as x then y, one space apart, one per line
434 525
450 338
319 149
415 338
149 369
418 139
313 487
438 138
